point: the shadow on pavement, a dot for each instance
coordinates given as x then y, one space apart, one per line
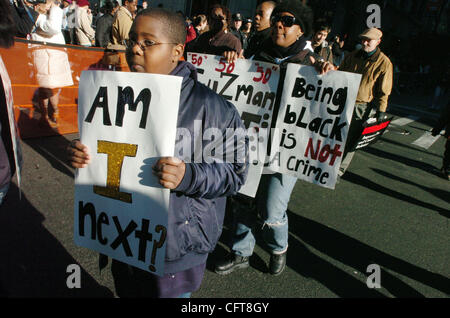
439 193
356 255
33 263
356 179
410 162
53 149
408 147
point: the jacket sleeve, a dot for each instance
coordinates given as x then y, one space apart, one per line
52 25
221 177
383 87
85 25
121 27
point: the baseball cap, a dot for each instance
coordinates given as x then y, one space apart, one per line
372 33
236 17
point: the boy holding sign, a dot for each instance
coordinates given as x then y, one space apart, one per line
199 190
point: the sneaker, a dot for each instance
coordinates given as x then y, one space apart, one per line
277 263
230 263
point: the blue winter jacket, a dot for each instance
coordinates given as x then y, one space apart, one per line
197 205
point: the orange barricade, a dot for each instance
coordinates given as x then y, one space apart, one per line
19 62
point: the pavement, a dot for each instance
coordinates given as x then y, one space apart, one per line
391 210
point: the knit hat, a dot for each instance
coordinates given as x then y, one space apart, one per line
302 13
82 3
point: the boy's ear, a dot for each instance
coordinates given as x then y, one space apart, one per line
177 52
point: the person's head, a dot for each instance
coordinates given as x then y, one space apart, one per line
83 3
7 25
144 4
42 6
219 18
321 31
108 7
237 21
67 3
200 22
247 26
116 6
262 16
290 20
370 39
156 41
131 5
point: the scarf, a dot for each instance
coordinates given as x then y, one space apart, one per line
276 51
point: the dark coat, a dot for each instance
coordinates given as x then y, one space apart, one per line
103 31
24 17
215 44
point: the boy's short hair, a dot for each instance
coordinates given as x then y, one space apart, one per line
175 26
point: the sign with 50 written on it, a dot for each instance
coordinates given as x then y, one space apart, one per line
251 86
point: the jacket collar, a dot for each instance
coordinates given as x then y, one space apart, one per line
185 70
361 54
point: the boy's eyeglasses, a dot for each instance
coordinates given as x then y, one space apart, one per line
286 20
143 44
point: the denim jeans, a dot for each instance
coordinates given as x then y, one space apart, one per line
272 200
3 192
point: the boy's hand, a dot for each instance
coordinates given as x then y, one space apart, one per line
78 154
170 171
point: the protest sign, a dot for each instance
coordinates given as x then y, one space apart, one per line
313 121
128 121
12 123
252 87
371 132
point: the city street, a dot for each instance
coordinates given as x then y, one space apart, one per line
390 209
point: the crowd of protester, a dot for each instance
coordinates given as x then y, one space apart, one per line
281 32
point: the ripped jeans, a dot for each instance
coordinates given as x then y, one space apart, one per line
272 201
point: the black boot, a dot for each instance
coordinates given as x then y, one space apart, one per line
277 263
230 263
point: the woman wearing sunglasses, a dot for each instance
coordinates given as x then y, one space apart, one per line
290 21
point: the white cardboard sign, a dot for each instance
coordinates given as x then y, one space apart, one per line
128 121
252 87
312 124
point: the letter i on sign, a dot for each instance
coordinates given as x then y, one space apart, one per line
116 153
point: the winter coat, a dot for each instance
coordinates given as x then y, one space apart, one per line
376 81
197 205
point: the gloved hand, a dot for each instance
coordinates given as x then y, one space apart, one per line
381 116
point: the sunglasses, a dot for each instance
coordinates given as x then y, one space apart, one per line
286 20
